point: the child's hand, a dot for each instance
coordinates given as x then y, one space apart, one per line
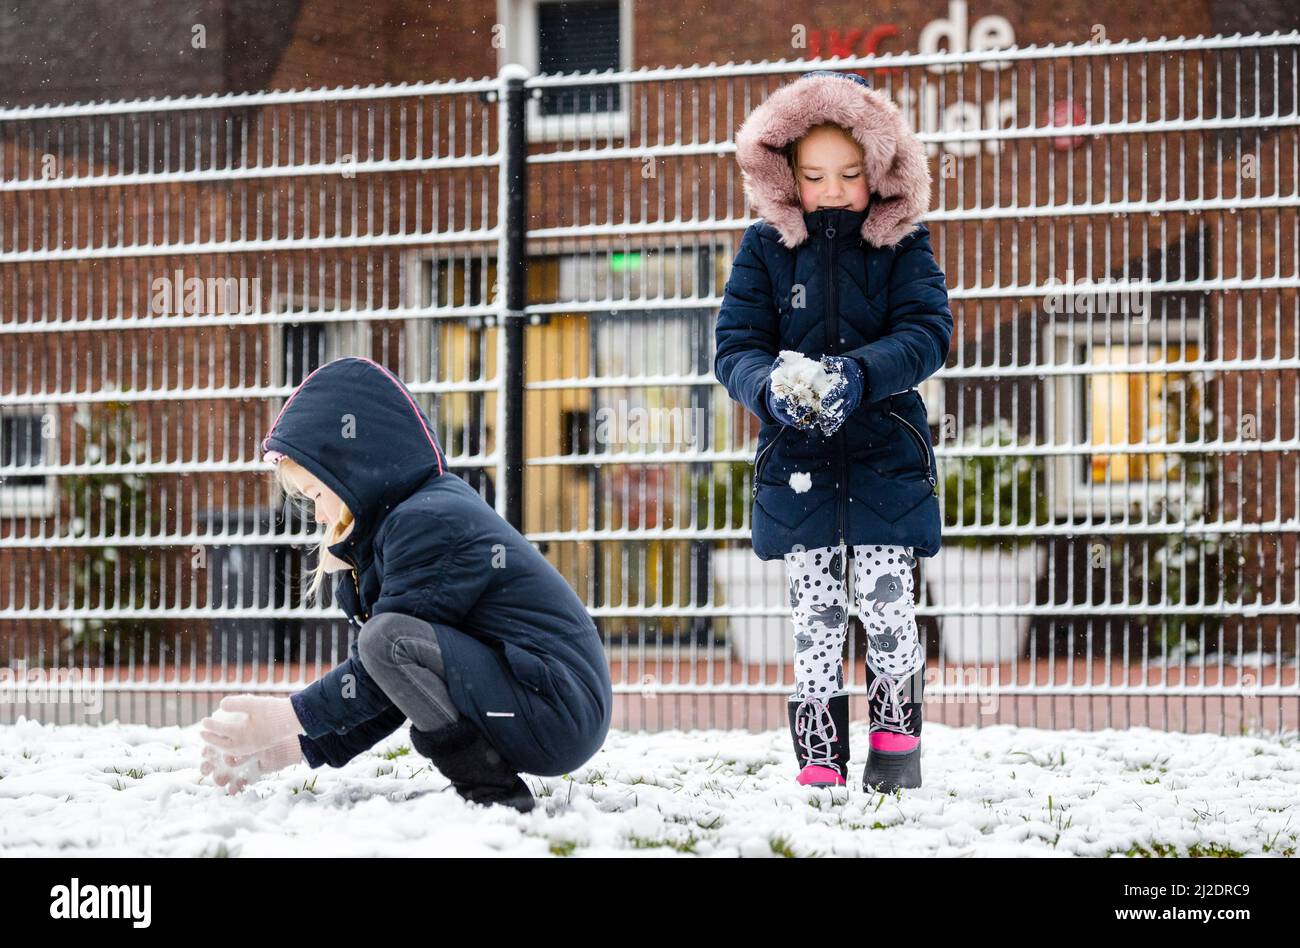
249 723
786 410
235 773
844 395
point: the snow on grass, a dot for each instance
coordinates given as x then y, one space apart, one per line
1000 790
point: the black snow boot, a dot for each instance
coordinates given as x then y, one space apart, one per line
820 732
463 755
894 755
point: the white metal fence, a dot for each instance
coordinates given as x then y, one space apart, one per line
1116 426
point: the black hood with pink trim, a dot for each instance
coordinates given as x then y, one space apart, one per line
356 426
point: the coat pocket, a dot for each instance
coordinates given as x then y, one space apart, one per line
899 474
892 497
791 490
535 698
530 670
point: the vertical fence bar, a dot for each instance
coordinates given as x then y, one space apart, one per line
514 273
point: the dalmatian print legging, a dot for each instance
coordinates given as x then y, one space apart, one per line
883 597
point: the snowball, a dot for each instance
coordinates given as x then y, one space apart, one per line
800 380
800 482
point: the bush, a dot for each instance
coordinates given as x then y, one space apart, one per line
1006 490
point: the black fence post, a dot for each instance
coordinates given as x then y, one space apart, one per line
515 268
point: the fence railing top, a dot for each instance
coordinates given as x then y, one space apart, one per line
642 74
27 113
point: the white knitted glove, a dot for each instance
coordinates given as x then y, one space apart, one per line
248 723
235 773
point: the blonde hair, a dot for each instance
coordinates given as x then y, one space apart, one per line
286 487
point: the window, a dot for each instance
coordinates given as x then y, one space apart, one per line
1105 406
298 349
23 443
559 36
1147 408
630 275
458 353
578 37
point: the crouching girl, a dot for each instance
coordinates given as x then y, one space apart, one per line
463 626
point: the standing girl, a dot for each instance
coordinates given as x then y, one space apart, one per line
840 270
463 626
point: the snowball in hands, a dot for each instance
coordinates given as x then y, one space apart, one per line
235 773
812 393
248 723
798 384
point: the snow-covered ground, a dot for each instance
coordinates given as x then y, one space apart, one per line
993 791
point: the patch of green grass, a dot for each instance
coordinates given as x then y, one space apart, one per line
686 845
1158 765
1157 850
1056 816
306 787
398 752
829 800
135 773
1047 763
563 847
1198 851
1272 840
781 846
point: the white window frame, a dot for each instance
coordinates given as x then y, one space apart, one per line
1073 495
31 500
520 20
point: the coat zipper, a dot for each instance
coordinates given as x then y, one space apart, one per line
833 342
356 582
925 452
758 462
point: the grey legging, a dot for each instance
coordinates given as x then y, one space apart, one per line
402 654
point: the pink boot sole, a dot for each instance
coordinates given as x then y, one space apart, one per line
817 776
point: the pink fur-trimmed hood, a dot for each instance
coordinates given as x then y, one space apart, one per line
897 171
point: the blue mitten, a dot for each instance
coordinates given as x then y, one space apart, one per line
845 394
788 412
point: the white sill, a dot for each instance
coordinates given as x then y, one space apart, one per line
1119 498
27 501
555 128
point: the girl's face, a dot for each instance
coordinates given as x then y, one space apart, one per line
829 171
327 503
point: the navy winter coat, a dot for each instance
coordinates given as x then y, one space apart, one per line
514 635
863 284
